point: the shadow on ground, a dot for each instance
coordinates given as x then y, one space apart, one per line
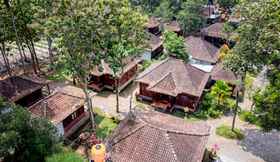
263 144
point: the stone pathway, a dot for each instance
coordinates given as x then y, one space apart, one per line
106 100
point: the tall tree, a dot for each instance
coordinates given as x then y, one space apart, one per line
78 42
12 13
23 137
258 43
175 45
124 35
190 17
5 35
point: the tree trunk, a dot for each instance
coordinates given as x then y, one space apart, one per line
117 95
18 43
35 55
50 50
6 60
89 105
24 54
32 57
235 111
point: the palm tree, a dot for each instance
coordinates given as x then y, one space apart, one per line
221 91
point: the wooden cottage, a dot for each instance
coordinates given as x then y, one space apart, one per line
21 90
201 51
103 77
173 26
154 49
65 111
153 137
172 84
153 26
215 34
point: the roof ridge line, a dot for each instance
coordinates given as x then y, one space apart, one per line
151 68
162 78
171 145
189 74
172 131
129 133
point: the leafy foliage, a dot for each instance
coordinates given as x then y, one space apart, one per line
105 124
23 137
267 103
258 46
190 17
216 102
248 116
175 45
225 131
227 3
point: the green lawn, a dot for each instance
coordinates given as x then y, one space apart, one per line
65 156
225 131
104 124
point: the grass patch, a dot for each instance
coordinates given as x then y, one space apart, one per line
225 131
65 156
105 124
249 117
179 113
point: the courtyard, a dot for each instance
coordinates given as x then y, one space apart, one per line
257 146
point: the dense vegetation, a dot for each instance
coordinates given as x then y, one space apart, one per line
23 137
216 102
175 46
186 12
257 47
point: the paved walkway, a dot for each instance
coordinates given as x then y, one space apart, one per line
106 100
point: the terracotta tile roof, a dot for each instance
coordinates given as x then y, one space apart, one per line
59 106
154 136
200 49
215 30
152 23
220 73
14 88
173 76
105 68
172 26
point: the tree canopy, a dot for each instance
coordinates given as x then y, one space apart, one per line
190 17
175 46
257 47
23 137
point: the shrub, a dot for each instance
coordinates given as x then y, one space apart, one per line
104 126
179 113
248 116
65 156
214 112
225 131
